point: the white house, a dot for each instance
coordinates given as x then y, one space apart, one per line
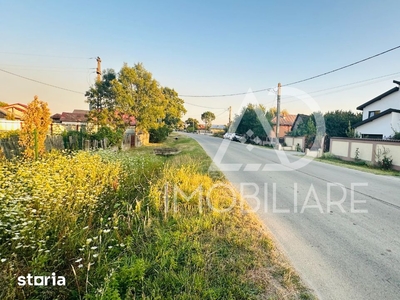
381 115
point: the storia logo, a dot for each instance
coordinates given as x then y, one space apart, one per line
31 280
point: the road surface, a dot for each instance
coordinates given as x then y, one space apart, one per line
339 228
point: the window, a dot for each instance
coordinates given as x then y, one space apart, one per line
372 113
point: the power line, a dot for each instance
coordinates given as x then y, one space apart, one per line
341 68
299 81
204 106
37 81
340 86
42 55
225 95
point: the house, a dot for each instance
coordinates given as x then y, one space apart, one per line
300 119
380 115
15 111
11 115
285 125
72 121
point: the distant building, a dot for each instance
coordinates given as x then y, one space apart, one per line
285 125
76 120
16 111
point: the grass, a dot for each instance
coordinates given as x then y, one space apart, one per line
134 225
357 165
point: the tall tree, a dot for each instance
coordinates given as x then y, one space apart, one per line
174 108
192 124
252 117
138 94
207 117
101 99
2 104
337 123
35 127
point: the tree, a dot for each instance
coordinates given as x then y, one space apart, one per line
101 99
252 117
138 94
192 124
2 104
174 109
207 117
35 127
337 123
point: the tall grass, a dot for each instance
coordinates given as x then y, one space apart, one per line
110 224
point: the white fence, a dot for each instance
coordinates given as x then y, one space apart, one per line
6 125
292 141
366 149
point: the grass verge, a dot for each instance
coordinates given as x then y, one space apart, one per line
134 226
357 165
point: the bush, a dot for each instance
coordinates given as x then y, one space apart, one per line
114 137
158 135
383 160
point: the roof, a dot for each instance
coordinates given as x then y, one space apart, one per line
391 91
302 117
73 117
17 109
285 121
377 116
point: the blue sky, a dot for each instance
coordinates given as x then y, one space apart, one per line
201 48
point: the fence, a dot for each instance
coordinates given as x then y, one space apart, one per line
292 142
10 148
366 149
7 125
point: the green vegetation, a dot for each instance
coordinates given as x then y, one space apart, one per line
101 220
358 164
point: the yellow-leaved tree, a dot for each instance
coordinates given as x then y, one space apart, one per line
35 128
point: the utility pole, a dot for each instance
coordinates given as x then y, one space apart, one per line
278 111
230 115
98 70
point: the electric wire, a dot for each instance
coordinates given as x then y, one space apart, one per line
37 81
299 81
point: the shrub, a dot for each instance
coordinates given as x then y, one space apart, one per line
160 134
383 160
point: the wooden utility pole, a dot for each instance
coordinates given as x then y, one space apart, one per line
98 70
278 111
230 115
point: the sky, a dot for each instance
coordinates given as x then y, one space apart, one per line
202 48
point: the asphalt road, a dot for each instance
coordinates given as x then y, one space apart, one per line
339 228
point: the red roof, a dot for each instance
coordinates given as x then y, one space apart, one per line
287 120
73 117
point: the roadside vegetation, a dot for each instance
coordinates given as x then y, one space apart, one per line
107 221
382 168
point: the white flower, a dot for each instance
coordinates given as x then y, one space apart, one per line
93 248
95 255
78 260
80 266
88 241
106 230
3 259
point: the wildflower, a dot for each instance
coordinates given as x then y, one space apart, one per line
3 260
95 255
106 230
93 248
80 266
78 260
88 241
